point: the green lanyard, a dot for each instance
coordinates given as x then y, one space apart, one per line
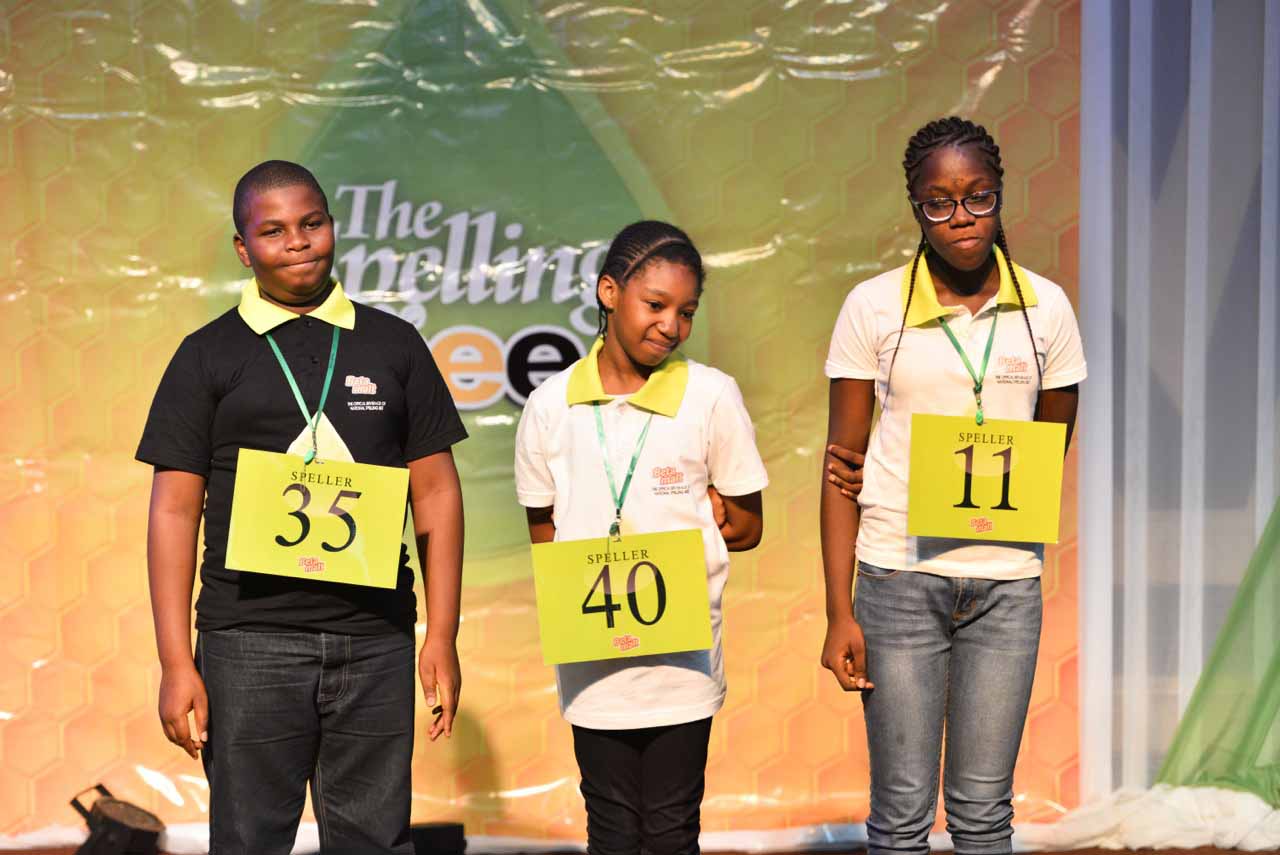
313 421
986 357
615 530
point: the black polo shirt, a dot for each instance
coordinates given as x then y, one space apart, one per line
224 391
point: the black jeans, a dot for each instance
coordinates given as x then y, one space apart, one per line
288 708
643 788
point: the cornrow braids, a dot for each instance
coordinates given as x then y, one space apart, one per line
639 245
955 131
950 131
1022 304
911 290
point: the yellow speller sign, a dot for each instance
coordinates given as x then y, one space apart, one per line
332 521
606 599
1001 480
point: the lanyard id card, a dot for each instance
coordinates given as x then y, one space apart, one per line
310 518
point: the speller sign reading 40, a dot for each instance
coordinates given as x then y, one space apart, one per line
964 479
584 614
604 584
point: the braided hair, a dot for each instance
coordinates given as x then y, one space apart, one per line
940 133
640 245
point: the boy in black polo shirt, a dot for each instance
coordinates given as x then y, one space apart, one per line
294 679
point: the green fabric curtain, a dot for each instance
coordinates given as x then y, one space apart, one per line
1230 735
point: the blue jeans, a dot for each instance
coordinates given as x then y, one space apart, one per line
955 651
288 708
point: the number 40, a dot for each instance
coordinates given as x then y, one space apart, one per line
967 501
609 607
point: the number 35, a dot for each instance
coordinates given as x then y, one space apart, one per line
304 521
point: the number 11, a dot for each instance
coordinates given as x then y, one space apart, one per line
967 500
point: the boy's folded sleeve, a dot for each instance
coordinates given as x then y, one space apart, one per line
434 422
179 428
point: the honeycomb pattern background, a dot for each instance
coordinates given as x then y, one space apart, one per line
774 131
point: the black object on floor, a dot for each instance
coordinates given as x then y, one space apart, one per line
438 838
117 827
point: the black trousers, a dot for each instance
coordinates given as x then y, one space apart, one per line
643 788
288 709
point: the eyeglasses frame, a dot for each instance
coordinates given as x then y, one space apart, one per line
956 203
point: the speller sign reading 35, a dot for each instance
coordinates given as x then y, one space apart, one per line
328 521
304 521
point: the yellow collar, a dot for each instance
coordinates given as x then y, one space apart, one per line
924 302
661 393
262 316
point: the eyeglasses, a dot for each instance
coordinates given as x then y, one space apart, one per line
984 203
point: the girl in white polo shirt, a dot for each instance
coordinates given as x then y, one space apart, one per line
641 725
942 630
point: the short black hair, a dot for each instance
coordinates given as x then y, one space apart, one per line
270 175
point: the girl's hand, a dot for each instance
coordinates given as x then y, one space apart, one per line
844 653
441 684
739 518
718 513
844 469
182 692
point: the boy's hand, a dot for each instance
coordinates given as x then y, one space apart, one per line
844 469
182 692
844 653
441 684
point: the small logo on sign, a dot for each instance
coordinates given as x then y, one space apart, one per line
626 642
981 525
311 565
361 385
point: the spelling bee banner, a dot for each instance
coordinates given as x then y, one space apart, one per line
478 157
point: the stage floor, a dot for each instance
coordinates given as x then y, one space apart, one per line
1205 850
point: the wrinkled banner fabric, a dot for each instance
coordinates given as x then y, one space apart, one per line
478 156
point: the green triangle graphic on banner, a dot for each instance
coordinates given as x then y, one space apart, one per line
476 181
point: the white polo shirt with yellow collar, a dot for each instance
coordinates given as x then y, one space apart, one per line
930 377
701 435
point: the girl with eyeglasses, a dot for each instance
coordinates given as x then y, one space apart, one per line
944 632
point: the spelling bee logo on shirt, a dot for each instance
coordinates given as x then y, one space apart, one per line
668 481
1014 370
361 385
